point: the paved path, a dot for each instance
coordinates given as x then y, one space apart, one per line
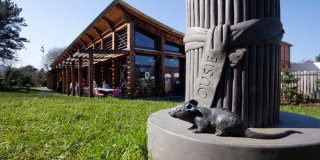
42 90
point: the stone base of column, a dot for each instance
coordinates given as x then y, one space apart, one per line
169 138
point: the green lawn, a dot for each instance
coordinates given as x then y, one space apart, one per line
308 111
40 126
37 126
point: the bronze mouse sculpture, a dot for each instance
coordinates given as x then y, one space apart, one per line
220 121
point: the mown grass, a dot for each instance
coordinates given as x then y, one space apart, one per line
46 126
304 110
39 126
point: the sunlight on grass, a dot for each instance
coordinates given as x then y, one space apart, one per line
304 110
35 126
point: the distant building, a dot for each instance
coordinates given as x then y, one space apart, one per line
126 49
305 66
285 55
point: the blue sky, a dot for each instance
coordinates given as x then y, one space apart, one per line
56 23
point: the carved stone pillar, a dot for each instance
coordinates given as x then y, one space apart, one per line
250 89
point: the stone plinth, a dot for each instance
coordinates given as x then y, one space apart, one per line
169 138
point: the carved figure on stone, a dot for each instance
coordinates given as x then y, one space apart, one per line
220 121
224 42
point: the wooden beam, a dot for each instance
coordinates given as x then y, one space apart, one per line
126 16
95 51
83 42
108 23
148 52
178 55
97 31
78 47
90 37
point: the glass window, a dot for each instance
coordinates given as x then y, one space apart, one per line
172 77
145 76
145 41
171 48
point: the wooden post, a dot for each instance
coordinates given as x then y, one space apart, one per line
73 78
161 68
67 79
90 74
80 91
114 60
104 71
251 89
63 71
131 60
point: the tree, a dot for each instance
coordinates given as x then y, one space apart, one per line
10 26
24 76
289 88
318 58
42 77
51 55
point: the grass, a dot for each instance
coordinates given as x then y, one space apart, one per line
308 111
39 126
43 126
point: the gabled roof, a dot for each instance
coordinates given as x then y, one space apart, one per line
306 66
115 15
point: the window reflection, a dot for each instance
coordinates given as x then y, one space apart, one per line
172 77
145 41
171 48
145 75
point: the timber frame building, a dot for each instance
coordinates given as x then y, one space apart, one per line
127 49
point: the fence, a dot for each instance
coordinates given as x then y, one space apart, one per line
306 84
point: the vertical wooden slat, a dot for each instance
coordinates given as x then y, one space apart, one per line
131 61
80 76
90 74
67 79
63 79
73 77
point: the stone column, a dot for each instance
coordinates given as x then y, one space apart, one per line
251 89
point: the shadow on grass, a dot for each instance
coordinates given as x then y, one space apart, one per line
14 89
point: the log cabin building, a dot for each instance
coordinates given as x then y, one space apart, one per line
126 49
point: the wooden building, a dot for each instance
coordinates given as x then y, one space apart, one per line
285 55
127 49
